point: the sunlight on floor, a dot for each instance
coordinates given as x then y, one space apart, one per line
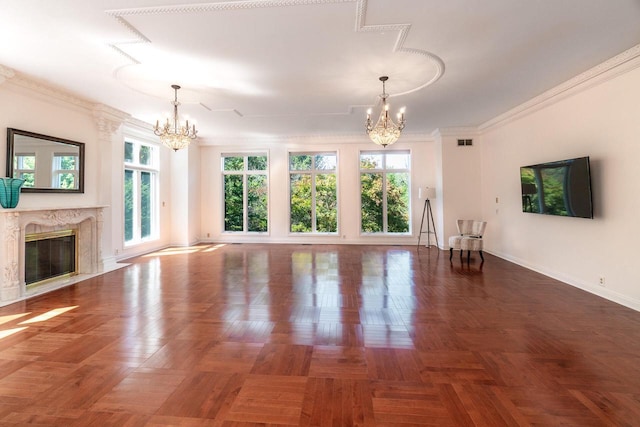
11 317
48 315
8 332
41 318
184 250
214 247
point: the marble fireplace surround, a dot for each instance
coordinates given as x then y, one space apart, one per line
15 224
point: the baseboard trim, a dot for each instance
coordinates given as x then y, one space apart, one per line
605 293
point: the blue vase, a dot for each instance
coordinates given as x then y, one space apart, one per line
10 191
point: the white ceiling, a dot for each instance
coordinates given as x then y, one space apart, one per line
274 68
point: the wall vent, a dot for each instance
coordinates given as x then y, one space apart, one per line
463 142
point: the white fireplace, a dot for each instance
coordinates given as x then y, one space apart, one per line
15 224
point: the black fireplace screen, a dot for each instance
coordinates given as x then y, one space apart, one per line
49 255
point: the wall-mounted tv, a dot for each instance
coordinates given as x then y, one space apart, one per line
558 188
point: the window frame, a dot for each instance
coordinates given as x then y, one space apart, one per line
19 171
384 171
57 173
245 173
314 172
138 168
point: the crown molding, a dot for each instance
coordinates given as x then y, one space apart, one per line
139 124
44 90
619 64
110 113
138 129
359 138
6 73
219 7
457 132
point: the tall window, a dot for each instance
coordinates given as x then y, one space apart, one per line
24 167
140 192
384 191
65 171
313 198
245 192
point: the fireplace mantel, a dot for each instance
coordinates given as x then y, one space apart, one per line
14 225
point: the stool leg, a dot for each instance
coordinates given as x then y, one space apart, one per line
450 253
481 256
468 256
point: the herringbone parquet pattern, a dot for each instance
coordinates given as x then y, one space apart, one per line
242 335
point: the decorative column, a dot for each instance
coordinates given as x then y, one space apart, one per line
110 142
10 288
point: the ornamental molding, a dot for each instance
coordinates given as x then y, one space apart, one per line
219 7
360 26
108 120
10 275
139 37
52 93
52 217
49 91
403 33
619 64
12 228
61 217
457 132
86 220
6 73
102 110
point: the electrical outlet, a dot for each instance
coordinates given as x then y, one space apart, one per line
601 281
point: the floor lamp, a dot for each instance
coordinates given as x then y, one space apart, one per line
427 193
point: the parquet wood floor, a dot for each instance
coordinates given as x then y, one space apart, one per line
242 335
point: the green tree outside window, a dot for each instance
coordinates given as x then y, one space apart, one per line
384 192
245 193
313 201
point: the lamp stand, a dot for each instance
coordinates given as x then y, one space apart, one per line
430 223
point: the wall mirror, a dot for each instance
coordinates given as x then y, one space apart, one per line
46 163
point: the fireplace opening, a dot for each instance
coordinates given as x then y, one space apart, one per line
50 256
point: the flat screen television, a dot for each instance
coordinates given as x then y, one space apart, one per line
558 188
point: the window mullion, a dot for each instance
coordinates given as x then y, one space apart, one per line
245 200
137 197
140 160
385 217
314 223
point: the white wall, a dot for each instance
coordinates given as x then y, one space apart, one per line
423 173
23 109
459 195
601 121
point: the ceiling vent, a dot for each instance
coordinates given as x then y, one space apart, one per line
463 142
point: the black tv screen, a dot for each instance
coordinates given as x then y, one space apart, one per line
558 188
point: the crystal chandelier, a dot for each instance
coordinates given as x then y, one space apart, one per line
174 135
385 132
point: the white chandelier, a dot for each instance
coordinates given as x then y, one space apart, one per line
174 135
385 132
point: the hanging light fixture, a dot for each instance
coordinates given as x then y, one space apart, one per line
385 132
174 135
